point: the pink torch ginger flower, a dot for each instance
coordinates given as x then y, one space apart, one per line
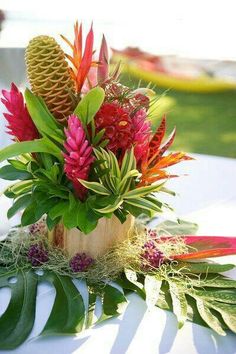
78 156
142 132
20 124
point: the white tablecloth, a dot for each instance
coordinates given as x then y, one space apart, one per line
207 196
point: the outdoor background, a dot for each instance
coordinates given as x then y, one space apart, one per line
206 123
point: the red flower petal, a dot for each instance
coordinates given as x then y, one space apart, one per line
208 246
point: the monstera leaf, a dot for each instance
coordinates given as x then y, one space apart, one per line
208 299
68 315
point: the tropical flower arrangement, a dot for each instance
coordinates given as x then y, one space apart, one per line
86 162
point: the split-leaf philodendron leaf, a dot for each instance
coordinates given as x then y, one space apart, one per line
208 299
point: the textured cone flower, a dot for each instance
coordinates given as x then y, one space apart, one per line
78 156
118 127
20 124
49 76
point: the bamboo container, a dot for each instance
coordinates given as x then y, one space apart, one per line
108 233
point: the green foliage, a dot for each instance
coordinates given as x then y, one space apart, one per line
69 314
89 105
26 147
42 118
181 227
117 186
208 300
11 173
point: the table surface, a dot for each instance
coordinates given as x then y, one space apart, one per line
206 196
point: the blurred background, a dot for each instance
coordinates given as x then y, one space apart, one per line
184 49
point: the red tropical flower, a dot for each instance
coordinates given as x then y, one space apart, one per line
20 124
118 127
80 60
78 156
142 131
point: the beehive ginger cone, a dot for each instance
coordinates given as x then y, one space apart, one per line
49 76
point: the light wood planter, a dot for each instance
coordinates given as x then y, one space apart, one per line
107 233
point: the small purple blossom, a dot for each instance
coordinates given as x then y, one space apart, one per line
39 227
151 256
152 233
80 262
37 255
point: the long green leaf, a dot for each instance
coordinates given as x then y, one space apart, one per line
142 191
227 311
111 208
42 118
179 302
89 105
25 147
128 162
226 296
203 267
95 187
18 205
143 204
11 173
152 287
216 281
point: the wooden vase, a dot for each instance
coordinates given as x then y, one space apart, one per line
108 233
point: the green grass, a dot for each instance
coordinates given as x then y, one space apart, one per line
206 123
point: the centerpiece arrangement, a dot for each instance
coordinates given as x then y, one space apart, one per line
89 170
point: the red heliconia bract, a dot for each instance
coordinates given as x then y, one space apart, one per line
20 124
78 156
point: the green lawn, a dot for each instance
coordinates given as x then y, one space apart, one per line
206 123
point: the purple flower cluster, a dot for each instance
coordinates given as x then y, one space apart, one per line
151 256
80 262
152 233
39 227
37 255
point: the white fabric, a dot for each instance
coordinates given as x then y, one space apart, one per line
208 197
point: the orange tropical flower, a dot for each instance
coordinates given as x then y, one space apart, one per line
81 60
152 168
